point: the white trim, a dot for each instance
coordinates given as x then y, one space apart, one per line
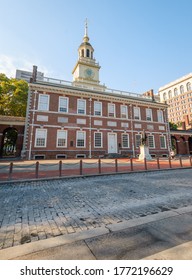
83 101
96 147
153 141
135 115
58 131
84 138
47 104
115 144
67 107
114 110
127 141
126 113
101 104
36 134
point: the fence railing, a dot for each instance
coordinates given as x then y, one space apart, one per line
51 169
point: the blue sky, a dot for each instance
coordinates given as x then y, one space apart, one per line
139 44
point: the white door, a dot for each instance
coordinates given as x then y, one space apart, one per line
112 143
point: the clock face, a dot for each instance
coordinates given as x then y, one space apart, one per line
89 73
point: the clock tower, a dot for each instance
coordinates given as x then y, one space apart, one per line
86 70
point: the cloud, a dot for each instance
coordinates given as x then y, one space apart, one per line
8 65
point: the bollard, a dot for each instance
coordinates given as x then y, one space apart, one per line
10 170
145 163
81 167
190 160
37 170
99 165
158 165
170 166
60 168
131 164
180 159
116 165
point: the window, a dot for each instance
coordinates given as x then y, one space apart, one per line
111 110
136 113
81 139
181 89
82 53
43 103
41 137
170 94
151 142
98 140
175 92
61 138
87 53
164 96
160 116
125 140
124 112
97 108
81 106
63 104
162 142
188 86
148 114
137 140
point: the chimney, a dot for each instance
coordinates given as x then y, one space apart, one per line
34 74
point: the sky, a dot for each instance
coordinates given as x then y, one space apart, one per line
139 44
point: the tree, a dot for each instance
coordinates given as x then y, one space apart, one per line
13 96
173 126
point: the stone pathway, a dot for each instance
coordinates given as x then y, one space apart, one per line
33 211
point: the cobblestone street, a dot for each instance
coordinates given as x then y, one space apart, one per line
38 210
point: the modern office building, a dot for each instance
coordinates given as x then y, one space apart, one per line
178 95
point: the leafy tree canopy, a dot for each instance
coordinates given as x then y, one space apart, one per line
173 126
13 96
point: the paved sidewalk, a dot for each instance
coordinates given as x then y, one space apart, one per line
163 236
40 211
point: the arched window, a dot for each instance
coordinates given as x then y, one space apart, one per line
87 53
175 92
181 89
170 94
164 96
188 86
82 53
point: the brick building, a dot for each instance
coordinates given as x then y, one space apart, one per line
85 119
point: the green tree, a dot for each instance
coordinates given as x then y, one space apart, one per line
13 96
173 126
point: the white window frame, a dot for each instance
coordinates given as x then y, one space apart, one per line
151 143
136 140
80 107
43 106
149 115
123 140
124 112
160 116
136 113
111 112
59 134
165 145
39 138
95 139
63 109
79 138
97 111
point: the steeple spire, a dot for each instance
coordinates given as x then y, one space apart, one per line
86 38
